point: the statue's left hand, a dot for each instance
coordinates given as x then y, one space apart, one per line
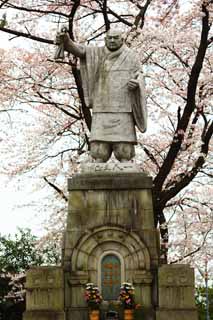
133 84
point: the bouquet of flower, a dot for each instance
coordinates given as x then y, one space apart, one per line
92 296
127 295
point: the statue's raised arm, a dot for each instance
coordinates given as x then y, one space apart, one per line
64 42
113 87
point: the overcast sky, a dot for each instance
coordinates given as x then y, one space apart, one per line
13 213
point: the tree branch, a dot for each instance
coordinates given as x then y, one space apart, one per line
57 189
26 35
190 105
3 3
85 110
192 252
140 18
166 195
151 156
71 17
45 12
106 19
120 19
56 105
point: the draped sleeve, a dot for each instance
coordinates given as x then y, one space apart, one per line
89 69
139 107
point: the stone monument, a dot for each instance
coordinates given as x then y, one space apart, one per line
110 235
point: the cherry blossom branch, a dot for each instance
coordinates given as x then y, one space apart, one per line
57 106
190 105
140 18
166 195
56 188
184 63
3 3
194 251
171 6
26 35
172 79
151 156
120 18
45 12
207 174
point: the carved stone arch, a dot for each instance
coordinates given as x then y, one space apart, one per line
86 255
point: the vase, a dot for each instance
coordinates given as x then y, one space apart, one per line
128 314
94 314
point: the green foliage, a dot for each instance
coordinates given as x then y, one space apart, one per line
200 299
4 286
18 254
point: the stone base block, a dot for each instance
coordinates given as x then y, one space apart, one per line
44 315
144 314
176 314
77 314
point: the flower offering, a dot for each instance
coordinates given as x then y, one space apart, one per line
92 296
127 295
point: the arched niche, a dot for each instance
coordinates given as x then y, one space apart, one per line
98 243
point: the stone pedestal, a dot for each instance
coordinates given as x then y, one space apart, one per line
45 294
176 293
110 217
110 238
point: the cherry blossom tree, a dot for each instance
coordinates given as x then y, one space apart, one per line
174 41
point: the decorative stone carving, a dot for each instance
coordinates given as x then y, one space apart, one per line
176 293
109 167
45 294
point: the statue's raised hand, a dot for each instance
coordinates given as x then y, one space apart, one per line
62 37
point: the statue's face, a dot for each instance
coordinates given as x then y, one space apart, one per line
113 40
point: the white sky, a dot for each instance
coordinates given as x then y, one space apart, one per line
14 212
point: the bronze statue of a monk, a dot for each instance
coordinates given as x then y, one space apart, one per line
114 88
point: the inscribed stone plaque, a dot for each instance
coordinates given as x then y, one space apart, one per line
110 277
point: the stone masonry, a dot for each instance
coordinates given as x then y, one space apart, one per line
110 218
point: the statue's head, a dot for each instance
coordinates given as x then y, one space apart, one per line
114 39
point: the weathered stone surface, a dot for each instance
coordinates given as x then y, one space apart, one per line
108 180
176 314
132 209
114 167
44 277
43 315
45 289
116 223
177 275
144 313
176 287
109 218
77 314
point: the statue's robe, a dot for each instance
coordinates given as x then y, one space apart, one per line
116 109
